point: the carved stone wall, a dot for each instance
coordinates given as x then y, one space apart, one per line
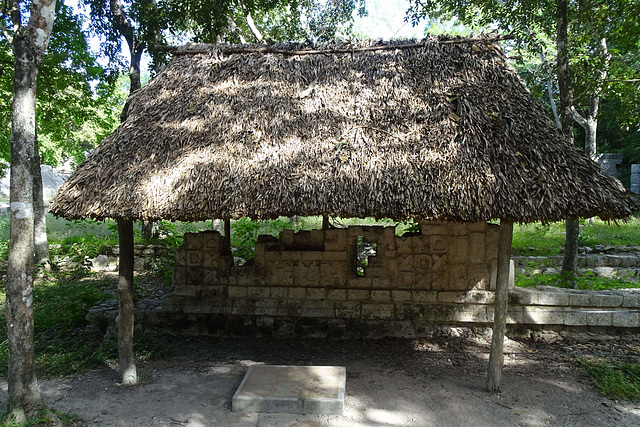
308 283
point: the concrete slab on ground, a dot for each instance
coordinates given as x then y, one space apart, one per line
292 389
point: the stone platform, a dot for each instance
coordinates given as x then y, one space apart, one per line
292 389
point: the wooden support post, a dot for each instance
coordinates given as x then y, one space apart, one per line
325 222
496 358
127 311
227 232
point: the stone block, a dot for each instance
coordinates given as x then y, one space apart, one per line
380 283
286 237
557 298
374 271
425 296
478 276
202 276
515 315
194 258
479 297
439 244
258 292
458 229
631 301
212 240
440 263
390 266
281 273
279 292
423 262
306 273
599 319
292 389
335 256
335 240
452 297
407 311
544 315
388 242
380 295
288 255
359 282
181 256
347 310
337 294
405 262
333 274
317 309
420 244
297 293
431 228
179 275
259 259
470 314
377 311
477 248
423 280
626 319
312 255
289 308
266 307
480 226
440 282
193 241
458 277
575 317
491 239
403 246
237 291
406 280
579 300
399 296
358 294
243 307
316 293
603 300
316 238
459 249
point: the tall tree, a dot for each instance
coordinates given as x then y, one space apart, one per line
29 42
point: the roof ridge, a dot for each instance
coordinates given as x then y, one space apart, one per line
200 48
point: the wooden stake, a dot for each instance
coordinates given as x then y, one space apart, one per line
127 311
227 232
496 358
325 222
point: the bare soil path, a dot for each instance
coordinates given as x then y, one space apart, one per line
390 382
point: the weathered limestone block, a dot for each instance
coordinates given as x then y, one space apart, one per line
432 228
626 319
387 243
258 292
280 273
316 293
358 282
179 276
297 293
452 297
491 238
399 296
458 229
286 237
306 273
575 317
439 244
337 294
358 294
237 291
333 273
478 276
181 256
348 310
458 279
381 295
544 315
279 292
380 283
459 249
420 244
403 246
377 311
425 296
335 240
477 248
599 319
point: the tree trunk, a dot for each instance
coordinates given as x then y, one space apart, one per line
126 314
39 211
149 229
29 44
569 263
496 357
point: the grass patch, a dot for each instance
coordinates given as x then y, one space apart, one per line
43 418
618 381
545 240
584 281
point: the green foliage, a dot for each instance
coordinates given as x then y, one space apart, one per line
76 101
43 417
615 380
245 232
586 281
543 240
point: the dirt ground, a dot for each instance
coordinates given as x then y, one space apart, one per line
390 382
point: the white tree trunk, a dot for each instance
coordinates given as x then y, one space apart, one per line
29 44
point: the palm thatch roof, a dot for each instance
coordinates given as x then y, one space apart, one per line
441 128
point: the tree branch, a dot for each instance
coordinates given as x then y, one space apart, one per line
252 26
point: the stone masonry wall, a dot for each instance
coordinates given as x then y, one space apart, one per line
307 283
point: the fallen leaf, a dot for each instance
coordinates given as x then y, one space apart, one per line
454 117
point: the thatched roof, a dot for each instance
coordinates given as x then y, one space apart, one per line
440 128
